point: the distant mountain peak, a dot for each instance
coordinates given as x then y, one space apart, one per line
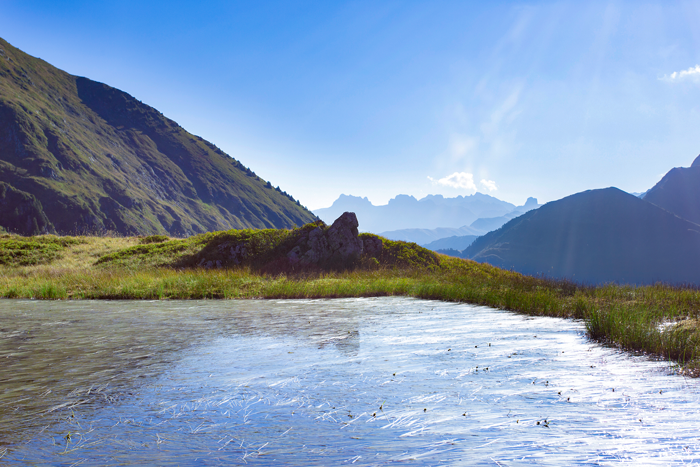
345 202
696 162
402 199
406 212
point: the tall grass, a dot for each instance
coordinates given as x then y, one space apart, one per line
629 317
660 320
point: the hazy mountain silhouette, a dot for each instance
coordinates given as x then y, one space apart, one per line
407 212
597 236
456 243
479 227
425 236
78 155
487 224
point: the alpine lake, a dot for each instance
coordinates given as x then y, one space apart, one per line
367 381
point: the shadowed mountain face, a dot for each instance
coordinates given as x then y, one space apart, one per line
81 156
679 192
596 236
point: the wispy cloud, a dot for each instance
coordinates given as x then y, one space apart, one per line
460 180
461 146
691 73
488 184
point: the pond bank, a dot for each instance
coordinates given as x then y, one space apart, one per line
660 320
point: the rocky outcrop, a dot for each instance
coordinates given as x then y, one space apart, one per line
372 246
339 244
309 248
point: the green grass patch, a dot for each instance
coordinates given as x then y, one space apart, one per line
154 239
659 320
147 255
29 251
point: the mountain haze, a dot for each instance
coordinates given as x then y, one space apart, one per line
480 226
487 224
80 156
596 236
407 212
456 243
425 236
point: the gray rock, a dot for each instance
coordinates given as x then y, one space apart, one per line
318 248
339 243
343 237
372 246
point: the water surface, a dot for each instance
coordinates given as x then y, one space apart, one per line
379 381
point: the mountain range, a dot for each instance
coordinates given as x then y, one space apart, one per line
78 156
430 218
427 236
606 235
407 212
456 243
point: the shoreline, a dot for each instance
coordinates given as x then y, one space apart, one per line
659 320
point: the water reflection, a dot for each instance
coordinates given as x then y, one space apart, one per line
59 355
318 382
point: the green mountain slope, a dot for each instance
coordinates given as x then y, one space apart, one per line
81 156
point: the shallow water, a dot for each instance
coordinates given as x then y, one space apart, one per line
377 381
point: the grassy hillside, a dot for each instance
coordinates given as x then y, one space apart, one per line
79 156
660 320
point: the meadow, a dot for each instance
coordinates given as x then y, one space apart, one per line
660 320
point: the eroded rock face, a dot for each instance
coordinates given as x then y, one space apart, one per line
316 245
337 244
372 246
343 237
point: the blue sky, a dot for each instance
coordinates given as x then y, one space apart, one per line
381 98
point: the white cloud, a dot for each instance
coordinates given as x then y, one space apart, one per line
692 73
488 184
461 180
